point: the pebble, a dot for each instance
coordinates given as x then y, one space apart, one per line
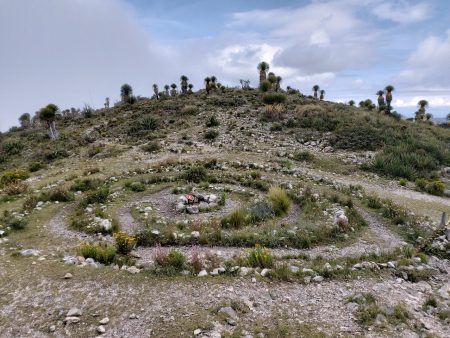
197 332
133 316
104 321
52 328
203 273
68 275
74 312
101 329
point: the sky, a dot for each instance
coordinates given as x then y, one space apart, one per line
78 52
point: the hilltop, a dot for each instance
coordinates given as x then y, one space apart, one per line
308 218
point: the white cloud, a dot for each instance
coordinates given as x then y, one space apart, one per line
321 37
403 12
429 64
433 100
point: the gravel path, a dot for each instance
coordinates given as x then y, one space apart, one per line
383 238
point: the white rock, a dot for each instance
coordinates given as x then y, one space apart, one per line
265 272
104 321
203 273
106 224
71 320
317 279
74 312
133 270
68 275
195 234
294 269
197 332
101 329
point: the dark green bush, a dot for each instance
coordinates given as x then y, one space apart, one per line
260 211
86 184
195 174
151 147
12 147
98 196
212 122
304 156
35 166
59 194
211 134
358 138
274 98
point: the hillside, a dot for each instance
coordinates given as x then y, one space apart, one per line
217 215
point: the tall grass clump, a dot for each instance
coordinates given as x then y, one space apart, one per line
280 200
236 219
100 252
260 257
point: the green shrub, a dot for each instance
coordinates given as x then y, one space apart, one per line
434 187
304 156
124 242
174 259
374 202
59 194
212 122
136 186
222 199
151 147
274 98
260 257
236 219
265 86
276 127
12 147
15 222
189 110
147 123
86 184
13 176
280 200
358 138
260 211
100 252
403 182
35 166
211 134
98 196
195 174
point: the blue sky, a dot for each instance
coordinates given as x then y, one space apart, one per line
77 52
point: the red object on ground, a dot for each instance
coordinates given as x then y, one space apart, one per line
190 198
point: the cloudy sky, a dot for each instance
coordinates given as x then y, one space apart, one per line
76 52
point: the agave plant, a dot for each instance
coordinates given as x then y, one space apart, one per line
315 89
322 94
263 67
184 83
48 115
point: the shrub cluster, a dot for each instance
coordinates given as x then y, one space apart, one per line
100 252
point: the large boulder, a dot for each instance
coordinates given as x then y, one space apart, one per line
192 209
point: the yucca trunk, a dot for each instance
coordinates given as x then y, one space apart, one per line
315 94
184 86
321 97
262 76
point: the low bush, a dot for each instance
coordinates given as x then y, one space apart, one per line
97 196
15 222
135 186
358 138
124 242
433 187
211 134
304 156
35 166
212 122
12 147
15 188
260 257
260 211
189 110
59 194
151 147
86 184
236 219
100 252
13 176
195 174
274 98
174 259
280 200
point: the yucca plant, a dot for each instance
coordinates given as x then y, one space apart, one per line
173 91
48 115
190 86
315 89
263 67
389 89
207 84
156 90
166 89
322 94
126 91
184 83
